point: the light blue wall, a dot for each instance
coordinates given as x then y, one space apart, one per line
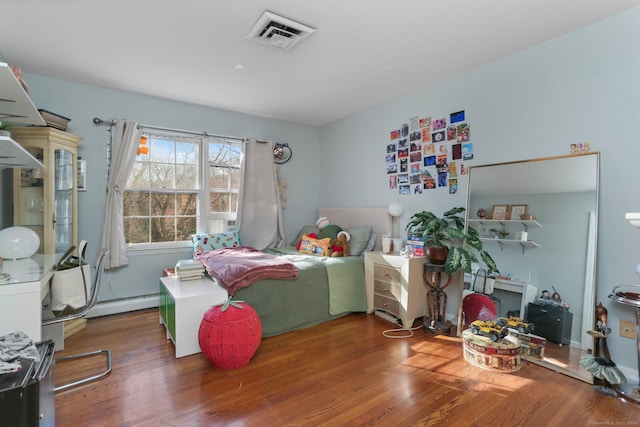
580 87
584 86
82 103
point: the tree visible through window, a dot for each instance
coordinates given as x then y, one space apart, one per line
168 188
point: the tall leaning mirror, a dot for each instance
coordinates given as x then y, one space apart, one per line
538 220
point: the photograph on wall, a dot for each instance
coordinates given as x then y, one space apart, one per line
442 149
392 168
415 146
417 189
415 179
464 168
403 178
452 133
438 136
428 182
413 123
430 161
442 179
391 148
456 151
453 186
403 153
428 149
403 143
426 134
404 130
415 156
439 124
463 132
404 189
395 134
424 122
393 181
404 165
415 167
415 135
456 117
453 171
467 151
391 158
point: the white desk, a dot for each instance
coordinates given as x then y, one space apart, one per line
21 297
528 292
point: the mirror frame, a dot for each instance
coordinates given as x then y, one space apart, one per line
588 315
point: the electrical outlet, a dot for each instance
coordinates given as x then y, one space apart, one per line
627 329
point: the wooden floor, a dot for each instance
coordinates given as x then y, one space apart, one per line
344 372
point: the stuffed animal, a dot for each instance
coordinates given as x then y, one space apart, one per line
339 247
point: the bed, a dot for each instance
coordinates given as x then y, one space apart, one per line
325 288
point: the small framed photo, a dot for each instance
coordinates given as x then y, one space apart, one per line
499 211
517 211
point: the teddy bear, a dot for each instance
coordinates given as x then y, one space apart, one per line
339 247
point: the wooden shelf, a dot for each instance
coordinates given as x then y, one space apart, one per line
15 104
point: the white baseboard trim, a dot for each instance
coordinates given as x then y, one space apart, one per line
124 305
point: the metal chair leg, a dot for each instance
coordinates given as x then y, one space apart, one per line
87 379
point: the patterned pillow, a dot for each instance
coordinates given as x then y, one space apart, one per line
209 242
311 246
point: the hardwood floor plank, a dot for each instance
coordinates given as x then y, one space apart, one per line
339 373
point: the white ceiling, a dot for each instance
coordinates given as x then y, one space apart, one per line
364 52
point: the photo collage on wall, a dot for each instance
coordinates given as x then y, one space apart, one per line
427 154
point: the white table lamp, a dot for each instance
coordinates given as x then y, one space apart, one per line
395 210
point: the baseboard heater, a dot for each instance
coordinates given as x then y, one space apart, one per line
387 316
124 305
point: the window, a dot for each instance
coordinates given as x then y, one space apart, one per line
168 188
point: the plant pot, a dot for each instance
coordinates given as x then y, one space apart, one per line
437 254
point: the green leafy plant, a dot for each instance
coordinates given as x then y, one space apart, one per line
448 231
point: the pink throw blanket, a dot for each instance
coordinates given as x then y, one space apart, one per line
237 268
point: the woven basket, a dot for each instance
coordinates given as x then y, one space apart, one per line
230 338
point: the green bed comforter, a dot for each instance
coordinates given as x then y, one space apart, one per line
325 289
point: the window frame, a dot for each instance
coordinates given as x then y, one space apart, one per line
203 216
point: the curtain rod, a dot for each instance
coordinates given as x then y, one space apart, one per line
100 122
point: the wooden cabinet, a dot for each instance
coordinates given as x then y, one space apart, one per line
395 286
45 200
551 322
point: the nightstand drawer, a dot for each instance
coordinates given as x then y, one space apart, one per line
384 273
389 290
387 304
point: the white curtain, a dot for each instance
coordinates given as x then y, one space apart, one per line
126 138
259 206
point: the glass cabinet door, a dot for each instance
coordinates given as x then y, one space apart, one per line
32 198
63 200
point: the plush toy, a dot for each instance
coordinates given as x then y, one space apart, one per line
326 229
339 247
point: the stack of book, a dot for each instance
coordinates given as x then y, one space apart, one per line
189 269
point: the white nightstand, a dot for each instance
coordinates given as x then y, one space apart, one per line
182 305
395 285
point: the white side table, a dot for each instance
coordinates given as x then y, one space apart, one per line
182 305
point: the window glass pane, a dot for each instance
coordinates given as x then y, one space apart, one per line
234 202
187 204
235 178
187 153
219 153
219 202
136 230
186 227
235 154
163 229
163 204
161 150
186 177
218 177
139 176
162 175
135 203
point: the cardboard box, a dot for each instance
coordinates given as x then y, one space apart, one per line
417 244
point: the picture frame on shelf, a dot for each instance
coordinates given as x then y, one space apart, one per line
517 211
499 211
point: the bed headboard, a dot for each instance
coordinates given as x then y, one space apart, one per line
378 218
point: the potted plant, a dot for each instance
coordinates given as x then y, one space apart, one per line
447 243
4 129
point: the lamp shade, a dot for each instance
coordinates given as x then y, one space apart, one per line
395 209
18 242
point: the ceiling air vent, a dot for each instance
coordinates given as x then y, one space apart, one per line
278 31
